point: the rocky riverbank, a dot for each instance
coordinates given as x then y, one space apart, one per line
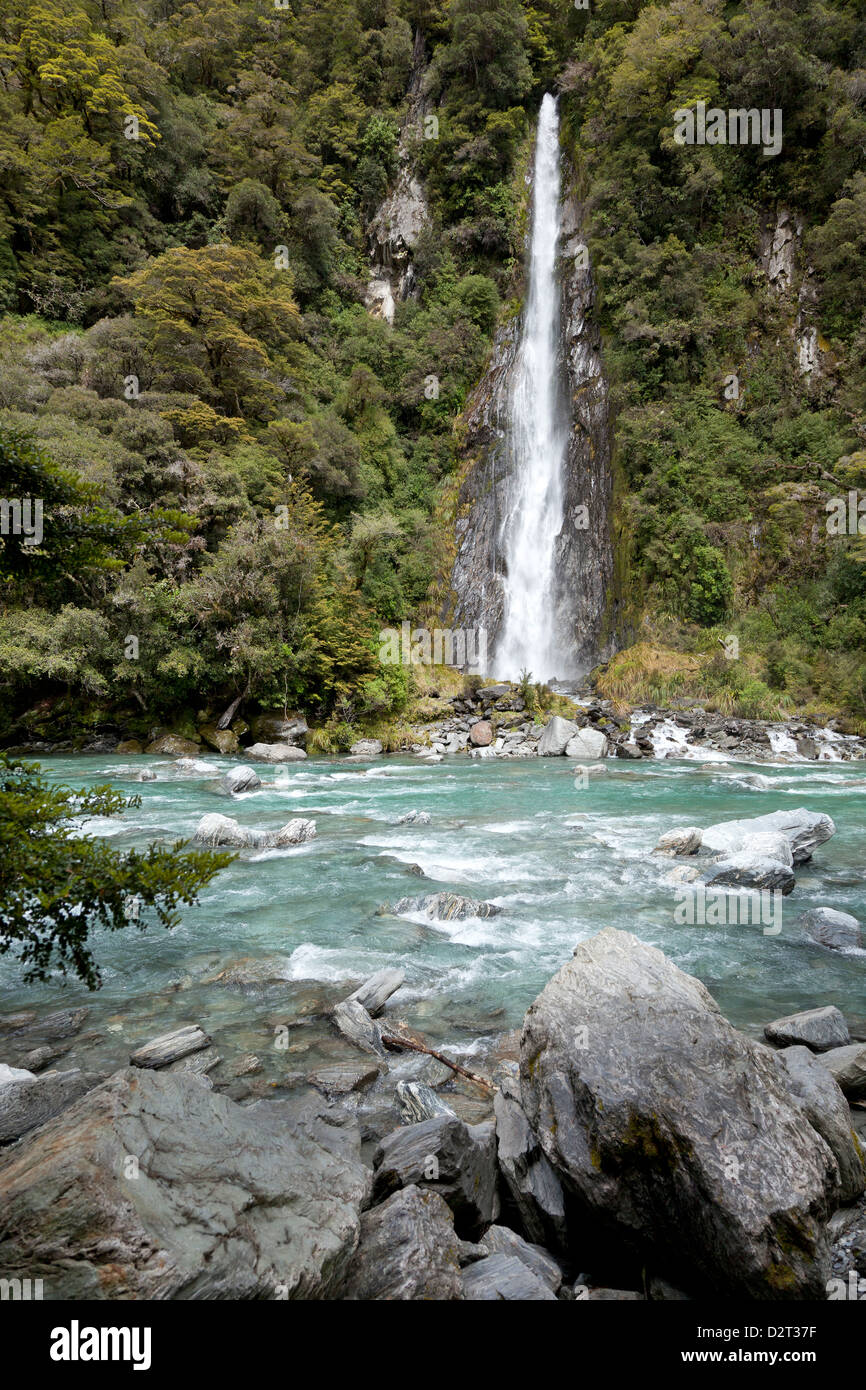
493 721
635 1146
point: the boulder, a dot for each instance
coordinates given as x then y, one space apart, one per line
500 1240
414 818
194 765
481 733
356 1024
277 728
444 907
838 931
533 1186
804 830
294 832
27 1101
673 1129
367 748
747 870
628 750
556 737
503 1278
342 1078
147 774
848 1066
408 1250
173 745
375 992
683 840
129 745
8 1074
225 741
240 779
588 745
419 1102
215 829
819 1029
443 1155
155 1186
275 753
170 1047
827 1111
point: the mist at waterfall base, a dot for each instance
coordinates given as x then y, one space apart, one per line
562 861
538 435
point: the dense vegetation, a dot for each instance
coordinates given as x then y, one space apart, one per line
244 470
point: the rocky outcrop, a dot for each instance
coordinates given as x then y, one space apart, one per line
408 1250
443 1155
673 1129
827 1111
153 1186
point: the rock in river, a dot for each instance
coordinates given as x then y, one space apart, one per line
804 830
819 1029
556 737
444 907
672 1128
838 931
240 779
230 1202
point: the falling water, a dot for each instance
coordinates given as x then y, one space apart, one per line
538 438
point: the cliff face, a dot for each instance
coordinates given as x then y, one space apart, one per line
584 559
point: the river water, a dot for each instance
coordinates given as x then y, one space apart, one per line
561 860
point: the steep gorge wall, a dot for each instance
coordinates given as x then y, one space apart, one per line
584 558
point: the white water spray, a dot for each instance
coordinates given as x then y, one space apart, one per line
538 439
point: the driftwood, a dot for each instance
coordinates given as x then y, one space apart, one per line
396 1044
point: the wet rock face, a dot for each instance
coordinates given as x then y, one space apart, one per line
584 563
261 1201
673 1129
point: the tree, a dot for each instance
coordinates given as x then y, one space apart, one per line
57 886
214 313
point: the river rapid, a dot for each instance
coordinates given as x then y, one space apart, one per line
282 934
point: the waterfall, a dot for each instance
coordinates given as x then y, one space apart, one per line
538 438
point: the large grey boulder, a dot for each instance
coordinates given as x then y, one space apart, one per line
827 1111
367 748
838 931
684 840
294 832
444 907
672 1128
587 744
804 831
408 1250
556 737
240 779
501 1240
534 1188
504 1278
276 753
443 1155
28 1101
153 1186
819 1029
747 870
215 829
848 1066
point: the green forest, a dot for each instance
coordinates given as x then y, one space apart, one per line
241 467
